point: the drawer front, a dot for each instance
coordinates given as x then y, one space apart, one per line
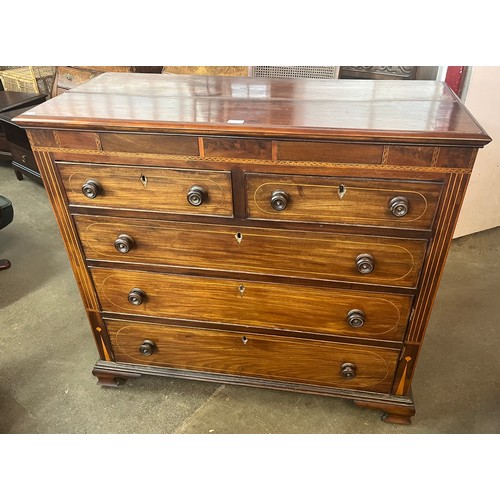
264 356
149 189
72 77
245 303
396 262
149 143
23 157
342 200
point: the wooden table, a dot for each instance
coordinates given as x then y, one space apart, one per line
13 140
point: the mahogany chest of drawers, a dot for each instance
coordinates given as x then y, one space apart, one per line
287 234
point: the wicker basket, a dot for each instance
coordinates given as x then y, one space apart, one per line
32 79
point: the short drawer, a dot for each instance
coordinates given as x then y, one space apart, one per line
336 200
254 304
265 356
393 261
153 189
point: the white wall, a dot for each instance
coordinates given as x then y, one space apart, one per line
481 208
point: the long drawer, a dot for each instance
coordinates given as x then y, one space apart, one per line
152 189
281 358
255 304
303 254
365 202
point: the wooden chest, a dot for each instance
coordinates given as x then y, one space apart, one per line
287 234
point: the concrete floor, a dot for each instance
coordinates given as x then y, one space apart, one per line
47 354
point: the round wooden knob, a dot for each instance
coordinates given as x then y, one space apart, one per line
136 296
279 200
147 348
196 195
356 318
365 263
399 206
91 188
124 243
348 370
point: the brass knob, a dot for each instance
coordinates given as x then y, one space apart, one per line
197 195
136 296
279 200
365 263
91 188
348 370
356 318
124 243
147 348
399 206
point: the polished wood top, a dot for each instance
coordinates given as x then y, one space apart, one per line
366 110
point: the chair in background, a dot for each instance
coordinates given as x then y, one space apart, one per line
295 71
6 217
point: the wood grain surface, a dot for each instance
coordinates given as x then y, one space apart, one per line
147 188
260 251
266 356
249 303
415 111
365 201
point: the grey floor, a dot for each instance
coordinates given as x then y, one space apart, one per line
47 354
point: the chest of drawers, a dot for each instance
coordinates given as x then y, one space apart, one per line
287 234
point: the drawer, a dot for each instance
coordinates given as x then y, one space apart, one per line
254 304
264 356
336 200
23 157
395 261
168 190
70 78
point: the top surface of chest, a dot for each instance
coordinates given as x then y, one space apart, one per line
409 112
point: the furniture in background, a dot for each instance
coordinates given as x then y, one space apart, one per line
69 77
6 217
379 72
31 79
206 70
295 71
4 145
13 104
10 100
238 240
256 71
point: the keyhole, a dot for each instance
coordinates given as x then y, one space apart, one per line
238 237
244 339
241 289
144 180
342 190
